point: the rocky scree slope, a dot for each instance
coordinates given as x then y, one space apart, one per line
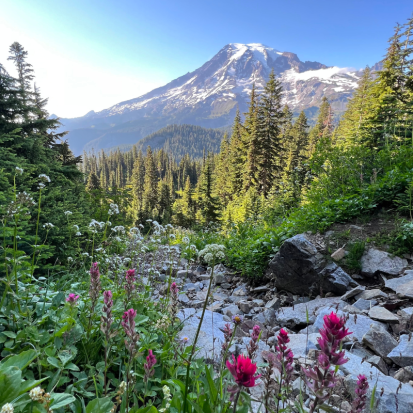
209 96
304 283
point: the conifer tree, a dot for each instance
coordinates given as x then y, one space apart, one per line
323 127
188 204
250 143
237 157
93 182
138 185
150 191
354 127
223 183
270 119
208 203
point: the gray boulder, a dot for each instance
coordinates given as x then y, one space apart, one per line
402 286
297 315
359 325
363 304
379 340
210 336
375 261
384 315
402 355
393 399
300 269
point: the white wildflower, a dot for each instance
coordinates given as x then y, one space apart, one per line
69 259
119 239
122 387
41 186
44 177
193 248
185 240
76 227
7 408
48 226
113 209
78 234
36 393
19 170
85 254
68 213
172 236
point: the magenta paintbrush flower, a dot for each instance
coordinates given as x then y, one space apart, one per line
322 378
359 402
128 324
72 299
149 365
243 371
252 347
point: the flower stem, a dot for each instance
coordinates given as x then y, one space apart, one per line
195 341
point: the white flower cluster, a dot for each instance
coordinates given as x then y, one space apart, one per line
119 229
7 408
95 225
167 398
193 248
19 170
36 393
212 252
113 209
48 226
68 213
44 177
185 240
162 323
76 227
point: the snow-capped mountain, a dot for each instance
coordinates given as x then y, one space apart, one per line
209 96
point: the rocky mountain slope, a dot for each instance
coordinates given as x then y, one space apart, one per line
209 96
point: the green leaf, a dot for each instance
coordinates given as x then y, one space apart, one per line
30 384
53 361
72 366
9 334
212 388
149 409
21 360
103 405
10 379
60 399
141 319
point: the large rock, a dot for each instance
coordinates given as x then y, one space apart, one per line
402 286
389 402
379 340
300 269
375 261
210 335
359 325
402 355
383 315
301 344
304 313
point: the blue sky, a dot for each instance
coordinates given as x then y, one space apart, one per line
90 54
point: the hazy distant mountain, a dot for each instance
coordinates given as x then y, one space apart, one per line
209 96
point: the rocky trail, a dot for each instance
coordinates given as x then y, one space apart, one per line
302 284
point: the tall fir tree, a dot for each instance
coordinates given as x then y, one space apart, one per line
150 191
270 118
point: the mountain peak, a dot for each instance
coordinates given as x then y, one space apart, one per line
210 95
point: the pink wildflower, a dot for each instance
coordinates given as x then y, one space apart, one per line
128 324
284 357
359 402
72 299
321 379
107 320
129 285
243 371
252 347
149 365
